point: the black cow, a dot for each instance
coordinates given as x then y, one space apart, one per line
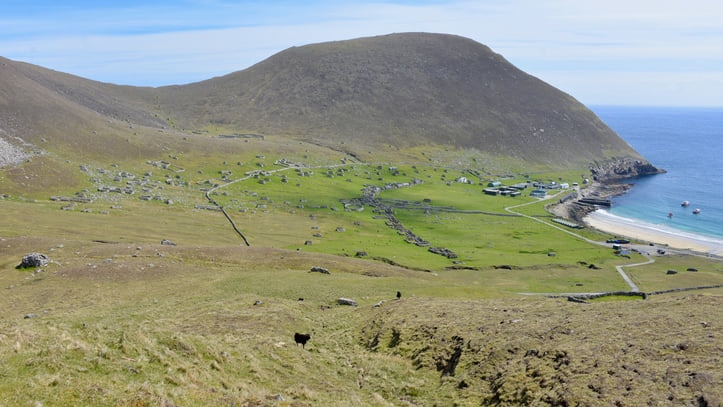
399 294
301 339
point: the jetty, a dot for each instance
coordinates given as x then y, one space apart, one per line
596 202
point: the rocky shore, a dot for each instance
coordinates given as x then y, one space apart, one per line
574 210
610 178
622 168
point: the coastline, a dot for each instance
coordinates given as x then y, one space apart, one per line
650 233
617 226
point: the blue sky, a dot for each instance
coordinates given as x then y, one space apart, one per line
619 52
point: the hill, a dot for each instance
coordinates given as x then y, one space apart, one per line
367 97
109 324
137 197
44 106
402 90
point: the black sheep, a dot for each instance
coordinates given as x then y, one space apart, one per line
301 339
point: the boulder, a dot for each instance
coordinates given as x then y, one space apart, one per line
346 301
34 260
317 269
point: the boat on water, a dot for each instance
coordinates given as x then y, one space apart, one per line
696 211
685 203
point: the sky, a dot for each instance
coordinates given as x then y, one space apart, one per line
612 52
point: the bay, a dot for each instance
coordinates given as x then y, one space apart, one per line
686 142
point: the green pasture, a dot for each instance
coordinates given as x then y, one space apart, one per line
117 318
302 206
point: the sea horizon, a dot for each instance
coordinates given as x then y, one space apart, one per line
687 142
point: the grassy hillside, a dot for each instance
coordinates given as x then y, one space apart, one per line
399 91
140 324
153 298
405 97
117 318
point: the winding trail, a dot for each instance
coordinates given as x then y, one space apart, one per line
249 175
628 280
510 209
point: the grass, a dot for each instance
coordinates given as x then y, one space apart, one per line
186 330
655 277
178 325
119 319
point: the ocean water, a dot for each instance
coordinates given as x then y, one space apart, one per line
686 142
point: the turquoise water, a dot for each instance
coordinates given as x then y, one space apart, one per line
688 143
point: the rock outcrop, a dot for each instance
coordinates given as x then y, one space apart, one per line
616 169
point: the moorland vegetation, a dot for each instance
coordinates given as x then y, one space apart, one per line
182 225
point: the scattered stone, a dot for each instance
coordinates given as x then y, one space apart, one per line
29 316
317 269
576 299
443 252
166 242
361 254
346 301
258 302
33 260
379 304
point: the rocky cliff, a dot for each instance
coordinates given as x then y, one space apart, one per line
620 168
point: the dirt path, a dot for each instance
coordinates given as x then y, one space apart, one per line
509 209
628 280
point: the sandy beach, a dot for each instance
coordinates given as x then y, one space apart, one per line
632 229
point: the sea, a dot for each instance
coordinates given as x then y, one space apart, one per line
687 142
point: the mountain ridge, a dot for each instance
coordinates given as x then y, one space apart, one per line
362 96
405 89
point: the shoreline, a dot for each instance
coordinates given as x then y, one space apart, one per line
651 233
633 229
